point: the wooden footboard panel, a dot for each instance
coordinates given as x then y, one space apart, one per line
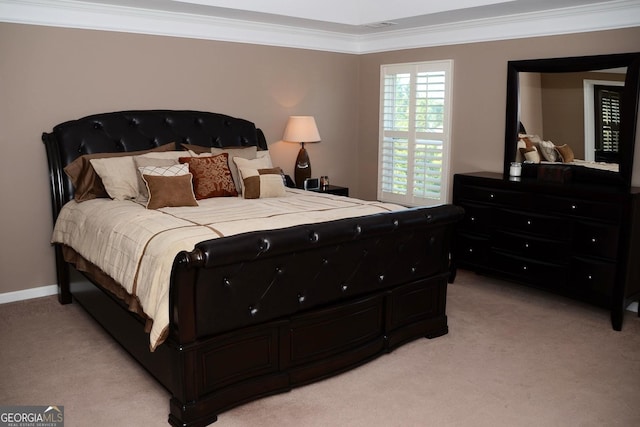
276 309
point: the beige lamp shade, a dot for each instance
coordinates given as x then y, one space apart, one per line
301 129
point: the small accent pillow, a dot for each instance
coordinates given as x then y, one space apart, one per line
86 182
531 154
143 161
257 163
169 191
566 153
211 176
262 183
243 152
548 150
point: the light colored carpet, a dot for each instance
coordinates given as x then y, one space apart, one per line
513 357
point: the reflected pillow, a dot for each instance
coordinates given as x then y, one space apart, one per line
530 154
566 153
548 150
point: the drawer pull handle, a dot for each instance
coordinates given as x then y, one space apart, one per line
594 240
526 245
492 196
589 277
524 267
470 250
528 222
574 207
473 218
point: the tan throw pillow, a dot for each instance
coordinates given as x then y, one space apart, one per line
141 162
566 153
211 176
86 182
262 183
257 163
169 191
244 153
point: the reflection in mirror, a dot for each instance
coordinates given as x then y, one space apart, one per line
579 112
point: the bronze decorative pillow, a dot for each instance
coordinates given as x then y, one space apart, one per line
169 191
566 153
86 183
211 176
262 183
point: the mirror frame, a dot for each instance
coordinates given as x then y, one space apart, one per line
628 116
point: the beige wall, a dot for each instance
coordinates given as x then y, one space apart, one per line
479 94
49 75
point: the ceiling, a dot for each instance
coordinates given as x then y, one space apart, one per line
352 16
352 26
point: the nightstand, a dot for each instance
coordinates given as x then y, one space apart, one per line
333 189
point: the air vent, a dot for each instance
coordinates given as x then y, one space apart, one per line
381 24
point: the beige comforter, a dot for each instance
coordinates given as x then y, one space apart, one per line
136 246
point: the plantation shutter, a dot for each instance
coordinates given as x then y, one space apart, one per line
414 133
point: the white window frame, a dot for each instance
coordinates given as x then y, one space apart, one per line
408 198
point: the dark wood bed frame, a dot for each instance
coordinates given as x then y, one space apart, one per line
259 313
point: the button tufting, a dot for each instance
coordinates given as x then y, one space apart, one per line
396 223
344 287
253 310
358 230
325 261
97 125
279 270
301 298
263 245
226 281
313 237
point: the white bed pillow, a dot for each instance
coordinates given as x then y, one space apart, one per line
248 153
119 175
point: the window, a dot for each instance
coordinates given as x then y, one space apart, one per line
607 122
414 138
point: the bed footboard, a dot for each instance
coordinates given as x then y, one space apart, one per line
263 312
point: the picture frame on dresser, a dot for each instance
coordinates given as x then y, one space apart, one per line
565 227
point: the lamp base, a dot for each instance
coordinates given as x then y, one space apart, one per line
303 167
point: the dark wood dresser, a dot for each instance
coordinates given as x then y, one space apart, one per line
581 241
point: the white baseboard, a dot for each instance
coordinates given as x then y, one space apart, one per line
42 291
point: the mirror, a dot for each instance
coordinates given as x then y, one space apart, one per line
585 108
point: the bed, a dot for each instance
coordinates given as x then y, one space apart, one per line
251 312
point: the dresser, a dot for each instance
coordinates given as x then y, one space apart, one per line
578 240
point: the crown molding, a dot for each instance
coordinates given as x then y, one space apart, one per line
77 14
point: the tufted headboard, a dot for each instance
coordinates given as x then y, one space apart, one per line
125 131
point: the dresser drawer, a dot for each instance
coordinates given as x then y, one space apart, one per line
477 218
471 250
596 240
493 196
525 222
534 271
532 247
592 276
579 208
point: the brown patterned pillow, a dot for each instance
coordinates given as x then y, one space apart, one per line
169 191
211 176
86 182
